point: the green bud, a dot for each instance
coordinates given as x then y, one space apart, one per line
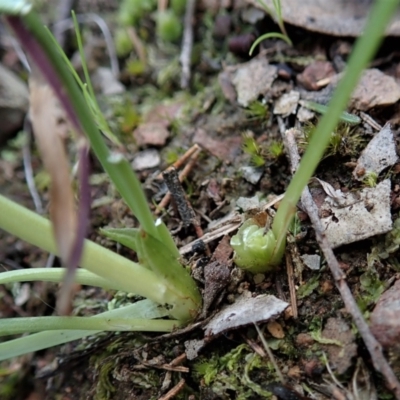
253 247
123 43
169 26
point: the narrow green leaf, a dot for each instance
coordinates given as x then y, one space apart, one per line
43 340
322 109
126 236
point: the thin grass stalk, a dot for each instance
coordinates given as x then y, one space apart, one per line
365 48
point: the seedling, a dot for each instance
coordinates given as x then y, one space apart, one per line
364 50
159 276
276 14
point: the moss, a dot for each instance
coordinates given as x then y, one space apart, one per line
257 111
345 140
237 371
251 147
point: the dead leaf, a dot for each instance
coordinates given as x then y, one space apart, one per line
375 89
275 329
151 134
339 356
164 114
338 18
226 149
50 128
251 79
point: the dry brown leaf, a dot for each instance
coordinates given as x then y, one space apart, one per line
50 130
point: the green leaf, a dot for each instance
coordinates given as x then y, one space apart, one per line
126 236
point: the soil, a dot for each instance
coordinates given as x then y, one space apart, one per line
315 344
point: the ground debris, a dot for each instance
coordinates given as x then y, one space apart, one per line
312 261
340 355
149 158
251 79
287 103
226 149
378 155
314 73
151 134
217 273
375 89
385 322
358 216
246 311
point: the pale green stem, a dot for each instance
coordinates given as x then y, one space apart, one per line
364 51
43 340
13 326
82 277
122 273
119 171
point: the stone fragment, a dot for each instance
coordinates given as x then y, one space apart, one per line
357 215
375 89
385 321
379 154
253 79
246 311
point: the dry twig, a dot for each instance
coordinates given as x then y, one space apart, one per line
174 391
373 346
292 289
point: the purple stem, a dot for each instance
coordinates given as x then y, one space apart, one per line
40 59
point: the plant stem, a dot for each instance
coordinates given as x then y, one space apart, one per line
43 340
122 273
364 51
12 326
82 277
37 42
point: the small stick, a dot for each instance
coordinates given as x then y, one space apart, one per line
27 161
373 346
162 5
292 289
193 154
211 236
370 121
182 160
185 209
174 391
178 360
270 354
187 43
137 44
